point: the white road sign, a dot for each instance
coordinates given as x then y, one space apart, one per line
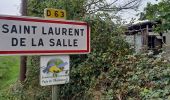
28 36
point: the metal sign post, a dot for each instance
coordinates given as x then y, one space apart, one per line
60 14
55 92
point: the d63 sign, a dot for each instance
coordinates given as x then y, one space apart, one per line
26 35
54 13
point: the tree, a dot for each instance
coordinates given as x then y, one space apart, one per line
160 11
82 7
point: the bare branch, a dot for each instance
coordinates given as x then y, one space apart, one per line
102 5
130 5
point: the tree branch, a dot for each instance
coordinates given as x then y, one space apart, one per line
96 6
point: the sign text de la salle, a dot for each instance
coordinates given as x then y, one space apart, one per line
23 35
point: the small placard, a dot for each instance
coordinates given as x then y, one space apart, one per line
54 70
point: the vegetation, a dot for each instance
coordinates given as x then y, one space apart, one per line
110 72
160 12
9 72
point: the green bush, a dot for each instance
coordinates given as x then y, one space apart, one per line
140 77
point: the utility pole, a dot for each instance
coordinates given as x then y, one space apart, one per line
23 59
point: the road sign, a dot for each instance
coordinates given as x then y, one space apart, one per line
54 70
54 13
38 36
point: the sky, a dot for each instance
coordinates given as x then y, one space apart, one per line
129 14
12 7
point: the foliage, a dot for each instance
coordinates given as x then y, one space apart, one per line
30 89
140 77
106 46
160 11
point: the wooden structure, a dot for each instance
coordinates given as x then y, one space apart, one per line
142 37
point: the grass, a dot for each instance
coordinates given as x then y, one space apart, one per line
9 71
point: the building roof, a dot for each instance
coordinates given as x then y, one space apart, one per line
140 25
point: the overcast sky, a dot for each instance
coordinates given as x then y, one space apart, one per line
129 14
9 7
12 7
